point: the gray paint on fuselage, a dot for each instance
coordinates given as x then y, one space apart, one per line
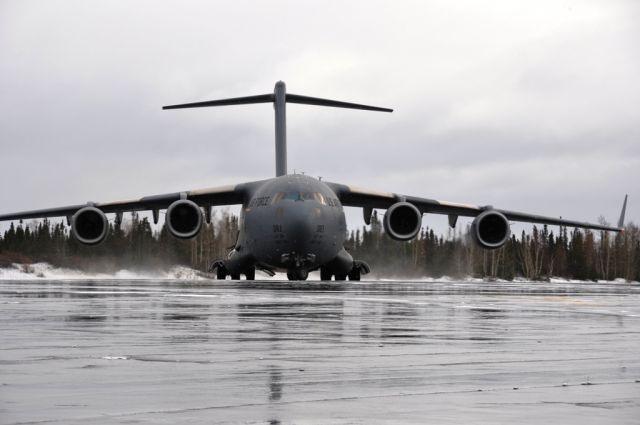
294 215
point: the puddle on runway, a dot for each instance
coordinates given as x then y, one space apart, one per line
279 352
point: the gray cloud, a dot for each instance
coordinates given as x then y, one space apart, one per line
524 105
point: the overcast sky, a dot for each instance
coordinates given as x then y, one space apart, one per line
525 105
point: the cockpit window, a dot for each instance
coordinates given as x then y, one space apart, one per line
299 196
294 196
319 197
278 197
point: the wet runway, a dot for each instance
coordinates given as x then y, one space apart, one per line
168 352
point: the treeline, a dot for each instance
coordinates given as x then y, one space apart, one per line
542 253
130 245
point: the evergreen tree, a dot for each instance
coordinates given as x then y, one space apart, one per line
537 254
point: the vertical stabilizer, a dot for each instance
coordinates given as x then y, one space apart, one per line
280 107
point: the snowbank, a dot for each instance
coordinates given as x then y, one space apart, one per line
47 271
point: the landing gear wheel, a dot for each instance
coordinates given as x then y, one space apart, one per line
359 268
325 274
219 268
297 275
251 274
341 277
235 276
354 274
221 273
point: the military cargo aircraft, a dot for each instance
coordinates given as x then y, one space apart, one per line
293 222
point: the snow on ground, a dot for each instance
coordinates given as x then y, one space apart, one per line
47 271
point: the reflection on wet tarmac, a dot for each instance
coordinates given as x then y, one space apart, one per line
281 352
85 318
275 384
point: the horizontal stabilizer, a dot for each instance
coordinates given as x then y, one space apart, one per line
296 98
270 98
261 98
279 98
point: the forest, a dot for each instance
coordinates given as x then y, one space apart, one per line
537 255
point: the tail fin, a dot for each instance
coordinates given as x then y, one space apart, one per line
622 213
279 98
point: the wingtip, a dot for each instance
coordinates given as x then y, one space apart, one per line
623 212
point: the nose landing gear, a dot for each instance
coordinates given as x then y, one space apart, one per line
297 274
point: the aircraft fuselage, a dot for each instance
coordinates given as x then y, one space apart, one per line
291 222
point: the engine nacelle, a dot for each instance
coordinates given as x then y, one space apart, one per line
89 226
402 221
184 219
490 229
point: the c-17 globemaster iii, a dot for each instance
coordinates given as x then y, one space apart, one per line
293 222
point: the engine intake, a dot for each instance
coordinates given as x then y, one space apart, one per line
402 221
490 230
89 226
184 219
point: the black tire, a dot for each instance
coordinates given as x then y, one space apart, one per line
235 276
251 274
325 274
297 275
354 274
221 274
341 277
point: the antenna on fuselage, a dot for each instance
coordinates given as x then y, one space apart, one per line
279 98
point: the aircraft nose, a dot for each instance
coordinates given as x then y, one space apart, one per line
301 230
301 244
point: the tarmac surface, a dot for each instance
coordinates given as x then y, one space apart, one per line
265 352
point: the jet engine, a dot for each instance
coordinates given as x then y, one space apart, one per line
184 219
402 221
89 226
490 230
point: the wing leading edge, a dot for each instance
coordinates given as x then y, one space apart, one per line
214 196
356 197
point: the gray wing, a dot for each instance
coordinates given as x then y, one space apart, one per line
223 195
356 197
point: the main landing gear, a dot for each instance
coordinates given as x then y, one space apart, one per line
222 272
359 268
